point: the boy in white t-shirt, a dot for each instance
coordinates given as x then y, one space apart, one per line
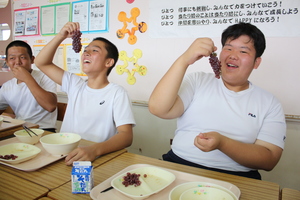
98 110
30 94
227 124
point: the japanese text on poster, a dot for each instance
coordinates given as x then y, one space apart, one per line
92 15
194 18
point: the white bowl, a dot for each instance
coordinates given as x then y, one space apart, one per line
24 137
59 144
1 120
155 180
206 193
177 191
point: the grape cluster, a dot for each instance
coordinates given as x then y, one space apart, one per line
8 157
215 64
77 41
132 179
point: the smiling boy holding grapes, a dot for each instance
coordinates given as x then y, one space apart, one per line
98 110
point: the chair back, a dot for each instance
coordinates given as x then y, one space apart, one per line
61 109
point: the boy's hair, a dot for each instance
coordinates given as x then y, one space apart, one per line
19 43
112 51
237 30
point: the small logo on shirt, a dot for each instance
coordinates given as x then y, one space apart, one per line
252 115
102 102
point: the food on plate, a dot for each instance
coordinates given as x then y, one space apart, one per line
15 153
132 179
77 41
145 181
215 64
9 156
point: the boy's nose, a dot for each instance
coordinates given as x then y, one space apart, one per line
18 61
233 56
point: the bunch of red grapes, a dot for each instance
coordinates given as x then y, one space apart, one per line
215 64
77 41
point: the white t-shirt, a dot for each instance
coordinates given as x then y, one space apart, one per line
243 116
23 103
95 114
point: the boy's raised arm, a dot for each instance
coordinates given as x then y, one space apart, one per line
44 60
164 101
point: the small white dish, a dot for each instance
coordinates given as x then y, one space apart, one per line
22 150
153 180
206 193
177 191
24 137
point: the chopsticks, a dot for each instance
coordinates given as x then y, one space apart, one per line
28 129
107 189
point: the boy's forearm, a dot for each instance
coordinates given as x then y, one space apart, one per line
45 99
119 141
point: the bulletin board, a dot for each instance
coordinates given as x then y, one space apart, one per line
151 34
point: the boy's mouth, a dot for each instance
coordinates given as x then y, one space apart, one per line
231 65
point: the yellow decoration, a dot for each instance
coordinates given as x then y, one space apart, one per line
140 69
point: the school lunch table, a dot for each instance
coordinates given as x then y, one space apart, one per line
34 178
9 126
249 188
290 194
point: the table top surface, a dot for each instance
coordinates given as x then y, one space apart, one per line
14 187
250 188
290 194
56 173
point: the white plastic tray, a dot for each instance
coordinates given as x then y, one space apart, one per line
42 159
12 123
181 177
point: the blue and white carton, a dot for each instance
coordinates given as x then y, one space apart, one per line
82 177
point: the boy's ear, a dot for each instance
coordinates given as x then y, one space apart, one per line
109 62
257 62
32 59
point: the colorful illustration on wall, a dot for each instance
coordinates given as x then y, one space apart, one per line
142 26
129 1
140 69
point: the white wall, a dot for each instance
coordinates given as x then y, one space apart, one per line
152 138
158 53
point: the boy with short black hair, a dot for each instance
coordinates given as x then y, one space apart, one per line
227 124
98 110
30 94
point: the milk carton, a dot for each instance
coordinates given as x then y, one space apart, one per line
82 177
